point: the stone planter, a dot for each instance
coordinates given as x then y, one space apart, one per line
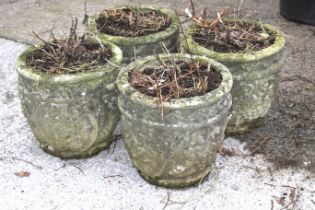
71 115
302 11
255 76
178 150
143 45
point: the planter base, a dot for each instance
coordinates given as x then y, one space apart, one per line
233 129
76 155
177 182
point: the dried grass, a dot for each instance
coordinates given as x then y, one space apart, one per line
70 55
129 22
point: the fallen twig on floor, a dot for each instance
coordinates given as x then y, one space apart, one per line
77 167
111 176
171 202
19 159
297 77
261 143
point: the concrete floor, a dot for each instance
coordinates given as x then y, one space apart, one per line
20 17
108 180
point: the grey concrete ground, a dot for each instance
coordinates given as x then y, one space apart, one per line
108 180
20 17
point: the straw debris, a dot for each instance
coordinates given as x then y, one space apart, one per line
70 55
176 79
129 22
224 34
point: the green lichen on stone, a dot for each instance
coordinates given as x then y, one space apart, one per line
178 150
255 75
144 45
71 115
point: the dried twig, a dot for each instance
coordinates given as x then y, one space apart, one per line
168 199
19 159
111 176
130 22
261 143
228 36
70 55
44 41
297 77
175 79
86 16
192 6
77 167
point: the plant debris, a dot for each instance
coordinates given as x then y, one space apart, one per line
289 200
226 151
22 174
228 35
179 79
111 176
128 22
70 55
22 160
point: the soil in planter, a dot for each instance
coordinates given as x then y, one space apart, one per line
179 80
129 22
233 37
71 55
229 36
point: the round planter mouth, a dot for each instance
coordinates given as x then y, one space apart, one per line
109 67
141 40
243 57
211 97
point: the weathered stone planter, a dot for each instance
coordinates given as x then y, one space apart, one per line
71 115
176 151
144 45
255 76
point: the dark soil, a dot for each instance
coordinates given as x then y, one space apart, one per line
233 37
129 22
179 80
59 57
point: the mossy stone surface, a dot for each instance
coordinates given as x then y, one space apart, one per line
71 115
142 46
178 150
255 75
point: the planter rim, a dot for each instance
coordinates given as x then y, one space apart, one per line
29 73
140 40
241 57
127 91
